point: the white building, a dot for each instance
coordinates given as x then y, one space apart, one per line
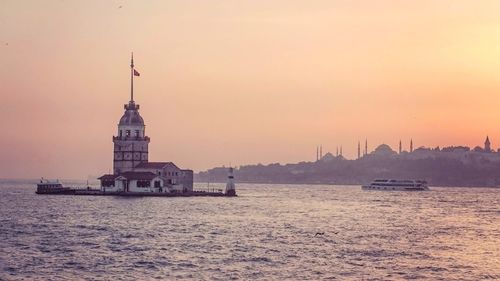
230 187
132 172
133 182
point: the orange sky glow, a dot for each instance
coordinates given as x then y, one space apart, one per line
242 82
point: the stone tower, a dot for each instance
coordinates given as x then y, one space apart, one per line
131 143
487 145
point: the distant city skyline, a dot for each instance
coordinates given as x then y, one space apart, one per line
243 82
486 146
447 166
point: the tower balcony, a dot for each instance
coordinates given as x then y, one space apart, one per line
131 138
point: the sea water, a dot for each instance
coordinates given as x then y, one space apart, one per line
268 232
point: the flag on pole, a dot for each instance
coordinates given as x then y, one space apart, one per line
136 73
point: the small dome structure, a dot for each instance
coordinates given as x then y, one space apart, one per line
131 116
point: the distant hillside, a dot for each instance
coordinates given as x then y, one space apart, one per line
439 168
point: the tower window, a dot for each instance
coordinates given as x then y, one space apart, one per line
121 133
136 133
127 133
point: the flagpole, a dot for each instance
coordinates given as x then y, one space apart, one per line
132 79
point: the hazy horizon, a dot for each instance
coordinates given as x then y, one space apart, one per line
242 82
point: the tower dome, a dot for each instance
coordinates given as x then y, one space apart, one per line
131 116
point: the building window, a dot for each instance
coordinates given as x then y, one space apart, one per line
136 133
157 184
127 133
121 133
108 183
143 183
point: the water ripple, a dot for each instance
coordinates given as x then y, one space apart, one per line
268 233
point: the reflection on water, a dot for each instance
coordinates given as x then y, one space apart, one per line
268 232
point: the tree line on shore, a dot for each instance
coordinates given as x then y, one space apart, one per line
437 171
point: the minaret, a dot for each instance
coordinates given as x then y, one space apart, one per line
320 151
317 153
359 149
131 144
230 187
340 150
400 147
337 153
487 145
366 146
411 145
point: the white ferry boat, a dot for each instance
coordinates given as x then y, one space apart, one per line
51 187
400 185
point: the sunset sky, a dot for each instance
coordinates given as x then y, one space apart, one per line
242 82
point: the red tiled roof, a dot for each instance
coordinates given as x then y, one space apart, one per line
154 165
108 177
130 176
138 175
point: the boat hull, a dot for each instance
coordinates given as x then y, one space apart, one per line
395 188
62 191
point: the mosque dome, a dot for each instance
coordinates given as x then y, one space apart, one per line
131 116
384 149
